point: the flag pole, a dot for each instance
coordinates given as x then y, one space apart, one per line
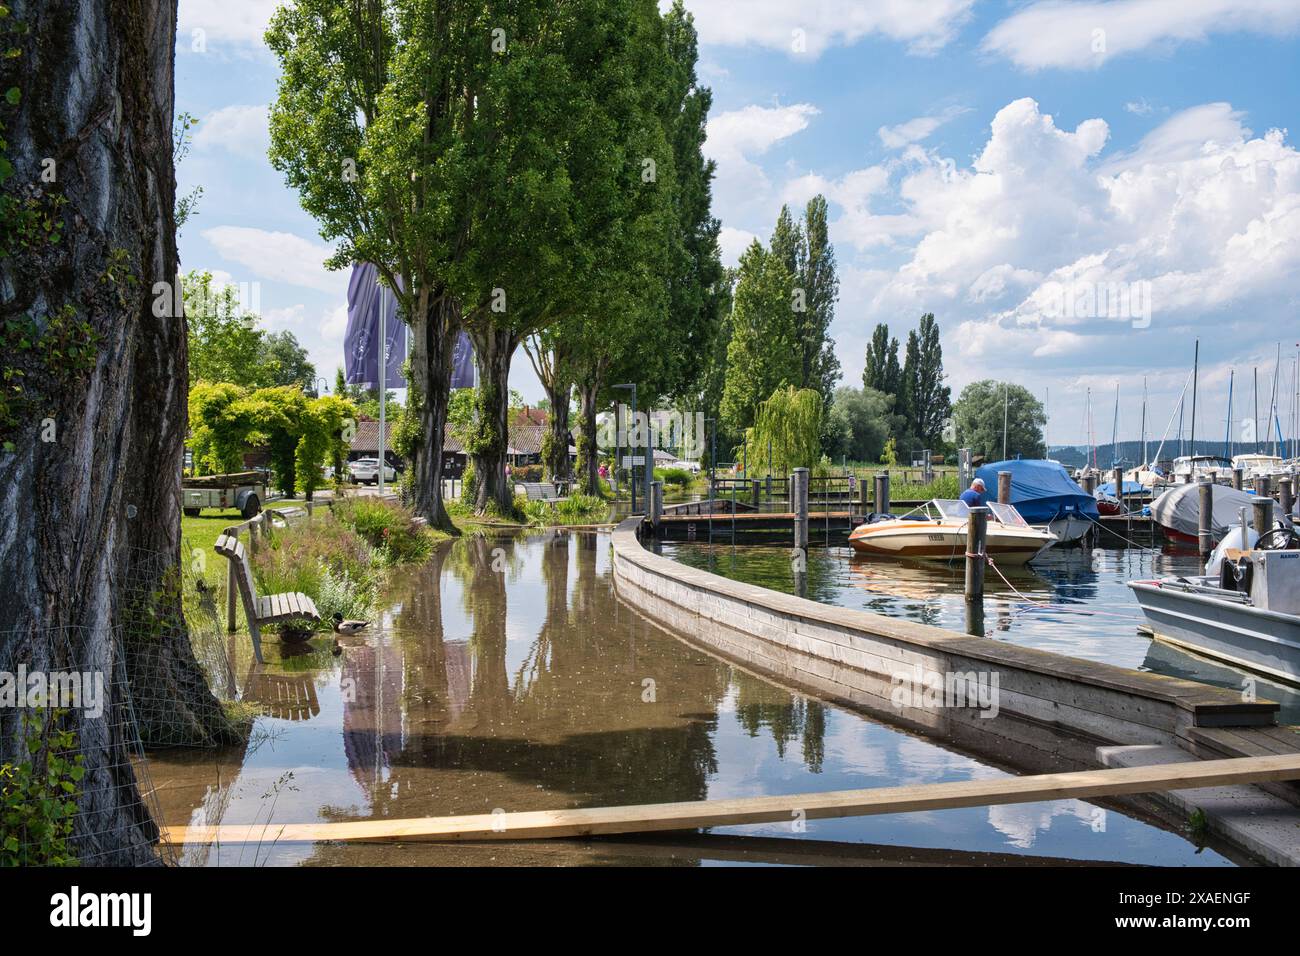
383 383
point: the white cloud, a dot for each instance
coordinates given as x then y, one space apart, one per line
1052 33
241 130
280 256
1203 212
735 138
1139 107
915 130
808 28
732 242
236 22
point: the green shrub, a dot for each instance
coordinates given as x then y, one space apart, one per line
38 796
576 509
386 526
468 484
674 476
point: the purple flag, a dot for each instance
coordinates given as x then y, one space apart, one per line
361 340
462 363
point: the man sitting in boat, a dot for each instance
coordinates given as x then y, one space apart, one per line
974 495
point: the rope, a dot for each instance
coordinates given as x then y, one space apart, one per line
1051 606
1127 541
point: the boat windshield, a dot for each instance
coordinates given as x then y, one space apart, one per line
1007 515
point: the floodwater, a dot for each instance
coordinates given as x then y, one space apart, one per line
505 674
1072 601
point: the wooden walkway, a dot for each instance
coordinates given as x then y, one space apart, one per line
546 824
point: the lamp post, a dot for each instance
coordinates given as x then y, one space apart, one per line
632 469
322 386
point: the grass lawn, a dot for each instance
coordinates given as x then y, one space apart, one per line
202 532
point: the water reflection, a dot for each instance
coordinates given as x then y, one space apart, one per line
505 673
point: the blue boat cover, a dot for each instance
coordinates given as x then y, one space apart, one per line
1040 490
1130 488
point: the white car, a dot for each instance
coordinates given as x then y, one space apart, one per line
365 471
692 466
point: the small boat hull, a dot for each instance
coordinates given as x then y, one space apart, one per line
1069 529
929 541
1230 631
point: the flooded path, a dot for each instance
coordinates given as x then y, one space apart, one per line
506 674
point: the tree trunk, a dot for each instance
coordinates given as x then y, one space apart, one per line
493 349
434 329
559 439
90 521
588 454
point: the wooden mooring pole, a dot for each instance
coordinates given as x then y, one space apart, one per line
656 505
799 504
1004 487
976 557
1286 497
1205 520
1263 514
1238 475
882 492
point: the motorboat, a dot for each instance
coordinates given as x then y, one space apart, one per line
936 531
1045 495
1192 468
1261 466
1247 614
1178 511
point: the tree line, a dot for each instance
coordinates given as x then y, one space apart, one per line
530 173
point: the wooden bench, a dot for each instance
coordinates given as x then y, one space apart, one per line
265 609
541 491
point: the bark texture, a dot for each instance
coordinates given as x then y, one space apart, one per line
434 327
90 516
493 349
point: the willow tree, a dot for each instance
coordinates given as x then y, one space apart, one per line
92 422
789 421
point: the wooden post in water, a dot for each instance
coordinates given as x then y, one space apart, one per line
1263 514
1118 478
1090 482
1286 497
1004 487
756 489
864 497
976 530
882 492
1205 519
656 505
1263 487
1238 475
799 504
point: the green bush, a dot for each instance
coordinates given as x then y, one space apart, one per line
38 796
674 476
576 509
387 527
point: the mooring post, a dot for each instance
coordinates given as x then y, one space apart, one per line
1286 497
656 505
976 529
1263 487
1118 478
1205 519
1237 475
799 501
882 492
864 497
1004 487
1263 514
1090 482
231 584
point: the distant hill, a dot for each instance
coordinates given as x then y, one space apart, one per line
1130 452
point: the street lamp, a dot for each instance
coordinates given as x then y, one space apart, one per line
322 386
632 469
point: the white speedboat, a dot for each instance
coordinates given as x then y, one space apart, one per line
936 531
1261 466
1247 615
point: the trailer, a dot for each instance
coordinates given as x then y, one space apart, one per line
245 490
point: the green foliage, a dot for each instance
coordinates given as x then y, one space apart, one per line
763 354
324 427
978 420
678 477
858 425
790 419
324 559
890 455
387 527
576 509
926 401
228 345
38 794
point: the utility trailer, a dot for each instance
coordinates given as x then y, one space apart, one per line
245 490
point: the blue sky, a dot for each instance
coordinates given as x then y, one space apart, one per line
1000 164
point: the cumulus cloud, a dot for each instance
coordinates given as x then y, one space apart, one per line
241 130
1052 33
732 242
810 27
1197 226
736 137
280 256
223 22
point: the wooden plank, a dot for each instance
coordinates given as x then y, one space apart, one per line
542 824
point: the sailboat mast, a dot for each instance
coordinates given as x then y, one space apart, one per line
1227 427
1272 402
1114 431
1145 461
1256 448
1196 363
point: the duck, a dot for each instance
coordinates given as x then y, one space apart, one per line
337 649
348 627
294 632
